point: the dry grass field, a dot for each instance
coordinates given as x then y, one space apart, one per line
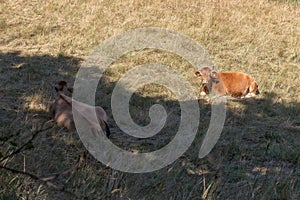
258 153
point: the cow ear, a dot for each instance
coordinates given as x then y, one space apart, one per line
214 74
56 89
198 73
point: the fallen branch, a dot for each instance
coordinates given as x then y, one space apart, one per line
18 150
45 181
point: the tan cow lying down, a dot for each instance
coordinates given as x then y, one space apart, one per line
237 84
61 110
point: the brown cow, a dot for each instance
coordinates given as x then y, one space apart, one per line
237 84
62 110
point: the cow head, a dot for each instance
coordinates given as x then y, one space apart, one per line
62 87
204 73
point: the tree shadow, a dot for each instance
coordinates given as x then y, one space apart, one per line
259 145
257 152
26 92
23 78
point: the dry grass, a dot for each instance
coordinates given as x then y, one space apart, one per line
257 156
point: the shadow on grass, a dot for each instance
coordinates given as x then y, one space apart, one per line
26 91
22 77
257 155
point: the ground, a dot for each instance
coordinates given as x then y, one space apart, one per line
258 153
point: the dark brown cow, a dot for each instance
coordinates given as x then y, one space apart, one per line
62 110
237 84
